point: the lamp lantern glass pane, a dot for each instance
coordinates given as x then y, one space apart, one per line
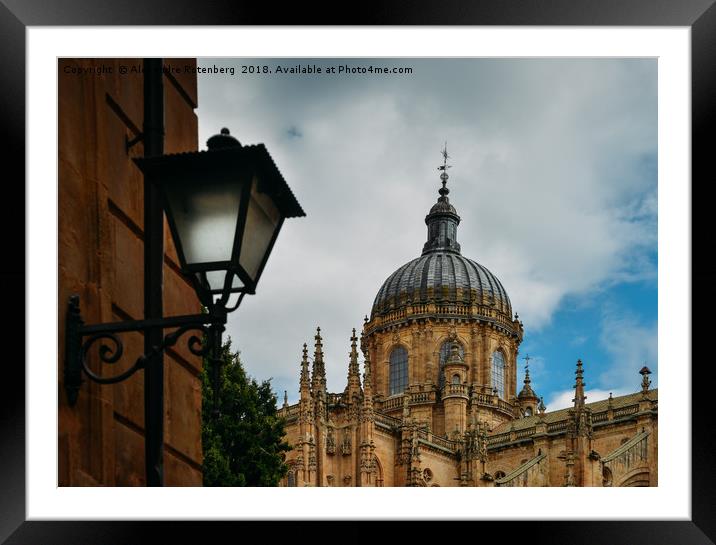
263 220
216 280
205 214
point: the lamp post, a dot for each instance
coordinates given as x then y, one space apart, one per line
225 208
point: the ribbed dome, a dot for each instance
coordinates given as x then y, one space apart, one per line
442 274
441 277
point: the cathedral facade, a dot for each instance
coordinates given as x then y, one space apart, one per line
437 403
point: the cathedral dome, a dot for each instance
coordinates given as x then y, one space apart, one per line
442 275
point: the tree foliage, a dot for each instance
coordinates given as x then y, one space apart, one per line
243 445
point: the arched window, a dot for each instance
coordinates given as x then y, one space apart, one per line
498 373
444 354
398 370
291 478
528 411
456 379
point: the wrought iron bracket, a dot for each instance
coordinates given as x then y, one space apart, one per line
79 338
129 144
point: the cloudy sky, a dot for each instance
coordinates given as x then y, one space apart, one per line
554 176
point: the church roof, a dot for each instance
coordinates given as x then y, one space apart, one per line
441 277
442 274
527 392
563 414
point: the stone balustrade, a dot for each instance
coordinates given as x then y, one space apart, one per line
442 442
418 398
421 310
335 399
455 390
290 413
626 411
556 428
386 420
391 403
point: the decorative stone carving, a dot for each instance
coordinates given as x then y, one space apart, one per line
346 448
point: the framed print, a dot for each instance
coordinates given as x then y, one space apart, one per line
570 130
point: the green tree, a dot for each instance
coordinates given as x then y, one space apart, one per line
243 445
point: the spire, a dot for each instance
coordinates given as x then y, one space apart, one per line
285 399
367 388
442 221
527 391
319 369
353 387
305 379
579 396
305 382
306 400
353 367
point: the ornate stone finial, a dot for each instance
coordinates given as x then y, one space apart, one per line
353 366
285 399
527 392
541 407
305 379
579 385
319 369
645 382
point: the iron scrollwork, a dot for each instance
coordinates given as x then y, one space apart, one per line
76 351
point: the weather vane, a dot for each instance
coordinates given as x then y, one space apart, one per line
444 166
444 175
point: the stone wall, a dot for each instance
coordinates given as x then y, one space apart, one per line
605 439
101 438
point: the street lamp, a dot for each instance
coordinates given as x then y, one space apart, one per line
225 207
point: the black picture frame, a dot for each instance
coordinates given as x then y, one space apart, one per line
17 15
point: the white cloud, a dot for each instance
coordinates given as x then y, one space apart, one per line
631 344
564 399
552 175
